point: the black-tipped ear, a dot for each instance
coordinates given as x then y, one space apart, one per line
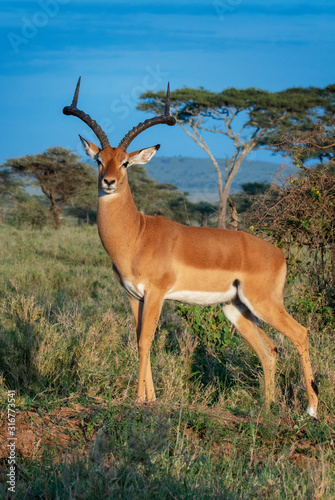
142 156
90 149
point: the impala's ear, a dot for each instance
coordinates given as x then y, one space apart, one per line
142 156
90 149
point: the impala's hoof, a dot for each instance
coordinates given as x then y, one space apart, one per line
312 412
152 400
144 401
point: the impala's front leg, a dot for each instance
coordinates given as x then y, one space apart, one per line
150 315
137 308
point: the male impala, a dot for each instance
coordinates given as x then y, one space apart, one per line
155 259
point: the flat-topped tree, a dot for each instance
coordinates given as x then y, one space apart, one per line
59 174
10 186
312 135
250 118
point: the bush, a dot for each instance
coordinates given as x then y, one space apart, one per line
29 212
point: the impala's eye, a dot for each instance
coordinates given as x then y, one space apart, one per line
99 162
125 164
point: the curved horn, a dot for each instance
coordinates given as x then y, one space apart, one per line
164 119
74 111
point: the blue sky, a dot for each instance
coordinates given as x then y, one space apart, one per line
124 48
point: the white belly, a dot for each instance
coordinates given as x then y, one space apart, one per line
187 296
202 298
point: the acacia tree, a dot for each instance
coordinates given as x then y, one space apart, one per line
312 139
314 147
248 117
302 211
10 186
86 195
59 174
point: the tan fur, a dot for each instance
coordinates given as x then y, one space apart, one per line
154 257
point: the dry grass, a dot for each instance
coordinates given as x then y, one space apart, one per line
68 348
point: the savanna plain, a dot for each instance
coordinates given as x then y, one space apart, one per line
68 350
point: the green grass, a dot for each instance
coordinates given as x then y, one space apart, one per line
68 341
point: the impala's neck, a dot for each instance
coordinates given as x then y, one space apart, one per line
119 224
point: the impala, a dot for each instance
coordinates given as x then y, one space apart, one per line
155 259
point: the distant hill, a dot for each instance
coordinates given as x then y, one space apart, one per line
197 176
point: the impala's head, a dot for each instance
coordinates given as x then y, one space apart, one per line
114 162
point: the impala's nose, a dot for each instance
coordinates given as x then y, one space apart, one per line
109 183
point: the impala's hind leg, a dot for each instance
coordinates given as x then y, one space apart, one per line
246 324
275 315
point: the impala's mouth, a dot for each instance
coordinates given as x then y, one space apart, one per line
106 190
108 186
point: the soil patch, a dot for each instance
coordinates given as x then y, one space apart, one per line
60 430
